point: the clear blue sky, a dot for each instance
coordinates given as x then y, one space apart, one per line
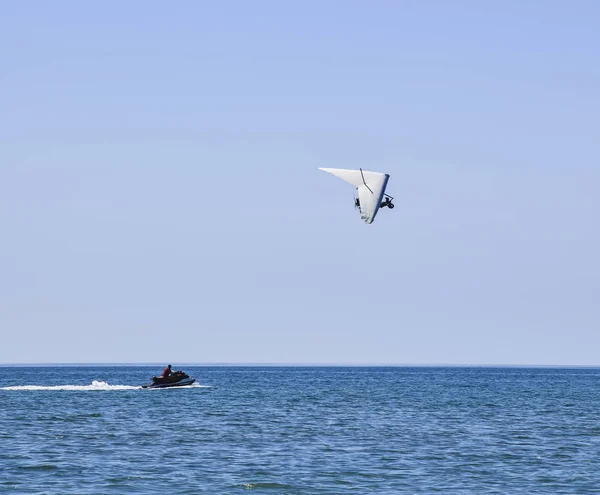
160 199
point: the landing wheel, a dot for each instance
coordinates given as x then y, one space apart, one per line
390 205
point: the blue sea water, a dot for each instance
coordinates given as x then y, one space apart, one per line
300 430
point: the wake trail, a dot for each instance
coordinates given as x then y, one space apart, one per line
95 385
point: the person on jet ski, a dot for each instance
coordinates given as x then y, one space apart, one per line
166 372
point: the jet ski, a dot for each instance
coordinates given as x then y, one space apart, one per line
176 379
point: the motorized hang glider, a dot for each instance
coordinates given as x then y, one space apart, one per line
370 187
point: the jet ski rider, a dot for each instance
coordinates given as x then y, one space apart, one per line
166 372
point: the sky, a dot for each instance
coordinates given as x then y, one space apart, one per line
160 199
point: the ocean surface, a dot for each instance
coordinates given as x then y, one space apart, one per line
300 430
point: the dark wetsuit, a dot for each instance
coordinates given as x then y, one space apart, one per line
166 372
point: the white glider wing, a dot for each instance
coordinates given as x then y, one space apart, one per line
369 185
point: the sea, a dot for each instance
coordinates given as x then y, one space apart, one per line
300 430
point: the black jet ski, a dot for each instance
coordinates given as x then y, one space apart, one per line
176 379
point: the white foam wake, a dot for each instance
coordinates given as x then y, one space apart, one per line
96 385
193 385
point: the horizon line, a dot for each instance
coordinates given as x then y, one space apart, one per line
301 364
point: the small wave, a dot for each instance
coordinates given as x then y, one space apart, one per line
252 486
39 467
96 385
195 385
